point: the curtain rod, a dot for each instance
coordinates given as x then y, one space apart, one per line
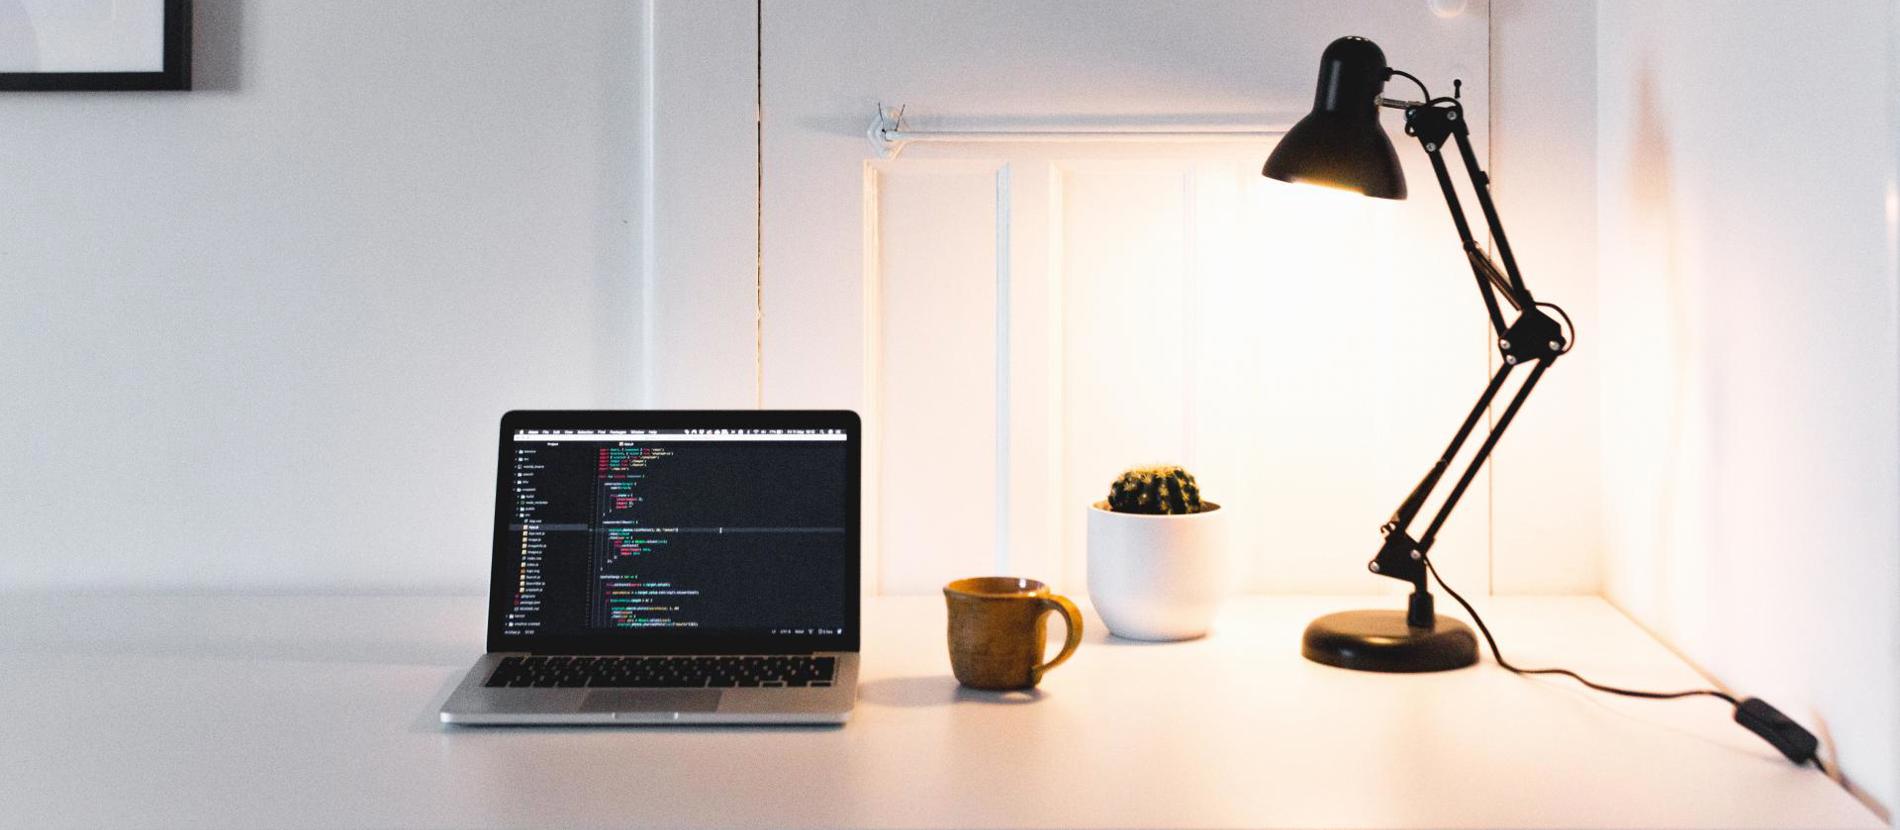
888 136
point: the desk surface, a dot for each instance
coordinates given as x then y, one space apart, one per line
321 712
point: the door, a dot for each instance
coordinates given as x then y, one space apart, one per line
1019 321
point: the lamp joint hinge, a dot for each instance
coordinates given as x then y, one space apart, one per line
1535 336
1400 558
1432 123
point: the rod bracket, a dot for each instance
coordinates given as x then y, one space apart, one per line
884 124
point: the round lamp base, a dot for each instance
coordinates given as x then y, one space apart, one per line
1381 641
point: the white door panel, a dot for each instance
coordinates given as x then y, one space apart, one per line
933 368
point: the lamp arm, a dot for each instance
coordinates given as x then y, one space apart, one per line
1532 337
1489 278
1408 509
1402 556
1484 452
1481 184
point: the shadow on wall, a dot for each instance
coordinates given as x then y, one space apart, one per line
1667 379
217 45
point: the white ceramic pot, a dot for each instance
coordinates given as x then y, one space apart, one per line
1157 577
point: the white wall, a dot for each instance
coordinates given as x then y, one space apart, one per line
259 334
378 188
1750 408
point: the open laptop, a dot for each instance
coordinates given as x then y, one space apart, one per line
671 567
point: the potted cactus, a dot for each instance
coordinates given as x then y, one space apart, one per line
1157 556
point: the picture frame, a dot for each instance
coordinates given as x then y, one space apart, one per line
131 36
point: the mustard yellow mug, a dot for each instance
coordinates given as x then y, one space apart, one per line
998 626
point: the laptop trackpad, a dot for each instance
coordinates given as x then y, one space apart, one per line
651 700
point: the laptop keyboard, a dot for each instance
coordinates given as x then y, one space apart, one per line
722 671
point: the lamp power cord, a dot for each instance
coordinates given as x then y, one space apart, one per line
1794 741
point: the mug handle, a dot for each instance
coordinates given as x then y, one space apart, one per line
1070 615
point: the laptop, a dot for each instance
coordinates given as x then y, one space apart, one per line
669 568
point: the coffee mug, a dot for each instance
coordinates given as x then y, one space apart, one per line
998 627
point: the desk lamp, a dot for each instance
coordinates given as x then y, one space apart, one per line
1341 145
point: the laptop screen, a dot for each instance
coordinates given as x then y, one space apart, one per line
674 532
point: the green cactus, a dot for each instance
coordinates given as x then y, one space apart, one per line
1155 490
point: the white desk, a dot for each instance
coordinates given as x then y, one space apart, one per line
321 712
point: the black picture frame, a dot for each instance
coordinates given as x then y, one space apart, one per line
176 74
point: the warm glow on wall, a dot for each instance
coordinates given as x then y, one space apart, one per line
1179 310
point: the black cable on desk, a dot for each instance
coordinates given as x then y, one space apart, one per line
1794 741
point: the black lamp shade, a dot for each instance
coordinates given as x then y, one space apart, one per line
1340 143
